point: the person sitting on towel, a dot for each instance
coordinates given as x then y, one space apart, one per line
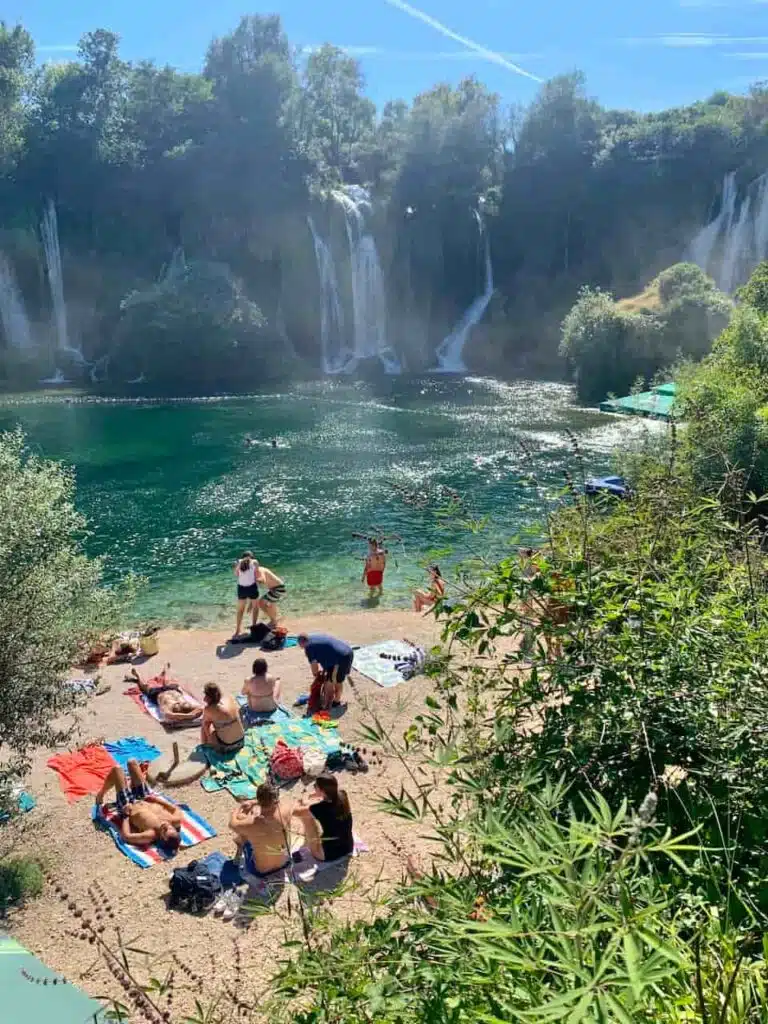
327 820
262 830
262 690
145 817
169 697
222 728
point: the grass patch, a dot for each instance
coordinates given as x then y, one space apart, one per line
648 301
20 878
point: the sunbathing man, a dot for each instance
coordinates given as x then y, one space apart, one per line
169 697
145 817
373 570
262 830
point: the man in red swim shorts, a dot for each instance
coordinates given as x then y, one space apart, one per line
373 571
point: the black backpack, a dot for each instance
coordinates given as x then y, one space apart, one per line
273 642
193 888
259 632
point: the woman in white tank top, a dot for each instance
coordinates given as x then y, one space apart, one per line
245 570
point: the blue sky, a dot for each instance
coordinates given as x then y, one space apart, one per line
645 55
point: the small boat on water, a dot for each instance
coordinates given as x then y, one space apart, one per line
613 485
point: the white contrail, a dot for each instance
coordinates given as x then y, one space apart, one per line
483 51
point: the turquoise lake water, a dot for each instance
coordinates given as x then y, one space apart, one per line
172 492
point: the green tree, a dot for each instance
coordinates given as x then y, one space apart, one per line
196 329
52 603
246 156
755 291
336 121
606 347
17 54
609 344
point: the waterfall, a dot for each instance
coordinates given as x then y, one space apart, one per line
736 240
336 355
49 231
703 245
369 302
450 351
13 315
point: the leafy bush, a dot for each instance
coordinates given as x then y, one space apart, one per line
683 279
745 341
725 435
560 911
195 330
608 344
20 877
755 291
723 400
52 604
606 347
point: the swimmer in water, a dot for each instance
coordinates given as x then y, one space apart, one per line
373 570
274 442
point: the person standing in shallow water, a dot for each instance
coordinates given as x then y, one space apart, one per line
373 570
245 570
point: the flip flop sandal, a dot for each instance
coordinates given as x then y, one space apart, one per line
221 904
234 902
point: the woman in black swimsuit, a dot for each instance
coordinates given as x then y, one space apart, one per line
327 821
222 728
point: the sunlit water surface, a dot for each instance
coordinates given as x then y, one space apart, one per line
172 492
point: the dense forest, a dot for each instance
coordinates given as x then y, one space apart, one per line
262 217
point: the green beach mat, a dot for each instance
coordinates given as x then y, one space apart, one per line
243 771
25 1001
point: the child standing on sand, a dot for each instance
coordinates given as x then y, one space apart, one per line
373 570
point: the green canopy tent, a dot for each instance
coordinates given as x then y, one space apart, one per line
30 993
658 403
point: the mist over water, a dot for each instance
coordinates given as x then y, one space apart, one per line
172 492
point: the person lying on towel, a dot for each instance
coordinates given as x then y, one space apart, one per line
169 697
262 831
146 817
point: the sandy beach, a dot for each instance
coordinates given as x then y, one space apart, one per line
79 855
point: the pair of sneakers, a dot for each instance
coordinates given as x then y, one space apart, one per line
229 903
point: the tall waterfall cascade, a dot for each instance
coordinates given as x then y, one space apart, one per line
335 353
369 299
734 241
450 351
368 335
49 231
13 315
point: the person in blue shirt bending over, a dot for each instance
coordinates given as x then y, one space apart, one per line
329 655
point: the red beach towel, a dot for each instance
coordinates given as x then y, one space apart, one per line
82 772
